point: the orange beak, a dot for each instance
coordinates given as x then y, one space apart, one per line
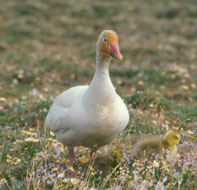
115 52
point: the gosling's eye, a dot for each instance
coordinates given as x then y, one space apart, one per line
105 39
176 138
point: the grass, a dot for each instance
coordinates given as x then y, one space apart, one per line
47 47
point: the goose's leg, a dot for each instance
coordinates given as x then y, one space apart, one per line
93 154
71 158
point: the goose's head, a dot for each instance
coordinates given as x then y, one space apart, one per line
172 138
107 44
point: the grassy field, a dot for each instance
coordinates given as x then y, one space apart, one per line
48 46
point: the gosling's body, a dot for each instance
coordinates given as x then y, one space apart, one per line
156 144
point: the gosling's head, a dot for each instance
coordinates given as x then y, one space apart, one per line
172 138
107 44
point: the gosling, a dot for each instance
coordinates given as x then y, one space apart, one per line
146 147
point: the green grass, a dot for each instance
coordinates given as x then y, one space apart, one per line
48 46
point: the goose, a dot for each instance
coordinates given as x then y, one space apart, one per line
155 144
90 116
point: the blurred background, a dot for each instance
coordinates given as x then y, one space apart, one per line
50 45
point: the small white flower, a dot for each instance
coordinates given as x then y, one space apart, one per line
165 126
165 179
74 181
61 175
35 92
65 180
135 175
160 186
59 148
176 174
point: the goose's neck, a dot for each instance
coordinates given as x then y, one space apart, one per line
102 65
101 87
101 79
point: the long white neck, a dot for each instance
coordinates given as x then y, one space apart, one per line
101 88
101 77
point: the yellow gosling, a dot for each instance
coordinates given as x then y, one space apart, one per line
155 144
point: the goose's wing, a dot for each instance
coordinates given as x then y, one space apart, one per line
57 117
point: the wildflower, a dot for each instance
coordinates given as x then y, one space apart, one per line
155 164
185 87
52 134
51 140
65 180
176 174
61 175
165 126
71 169
36 159
9 161
29 133
49 182
54 169
165 179
141 83
9 157
31 139
16 161
15 81
2 99
20 74
151 105
160 186
12 149
91 168
31 129
74 181
2 182
35 92
83 160
58 148
45 110
18 141
190 132
154 122
193 85
66 161
117 187
135 175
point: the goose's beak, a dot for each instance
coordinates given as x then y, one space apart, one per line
115 52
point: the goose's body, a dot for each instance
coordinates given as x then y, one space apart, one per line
82 120
93 115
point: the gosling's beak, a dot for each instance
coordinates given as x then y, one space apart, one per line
115 52
180 142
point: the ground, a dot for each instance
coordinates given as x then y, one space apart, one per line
48 46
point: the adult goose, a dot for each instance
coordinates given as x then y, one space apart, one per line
91 116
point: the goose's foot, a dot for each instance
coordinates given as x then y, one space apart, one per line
71 158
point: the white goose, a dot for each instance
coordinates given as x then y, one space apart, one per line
91 116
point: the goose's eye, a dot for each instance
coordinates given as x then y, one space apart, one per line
176 138
105 39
